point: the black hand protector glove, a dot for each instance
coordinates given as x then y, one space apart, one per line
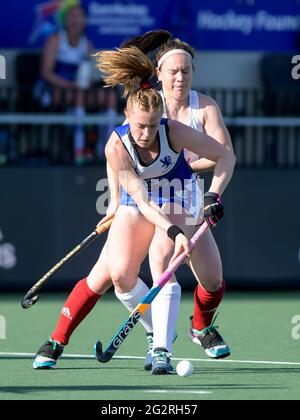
213 209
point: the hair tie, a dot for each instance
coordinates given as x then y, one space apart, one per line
146 85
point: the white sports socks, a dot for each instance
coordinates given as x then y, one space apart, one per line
131 299
165 310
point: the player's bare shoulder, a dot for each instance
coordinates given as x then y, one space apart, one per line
114 146
209 109
207 102
116 153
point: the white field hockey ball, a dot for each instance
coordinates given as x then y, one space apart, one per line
184 368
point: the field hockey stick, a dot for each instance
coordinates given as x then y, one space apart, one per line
31 296
142 307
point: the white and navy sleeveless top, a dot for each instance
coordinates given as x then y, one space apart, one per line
68 58
193 120
168 178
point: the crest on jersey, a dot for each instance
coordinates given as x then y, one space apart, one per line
166 161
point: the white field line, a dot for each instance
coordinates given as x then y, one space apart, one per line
178 391
88 356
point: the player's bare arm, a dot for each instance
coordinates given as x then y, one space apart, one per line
213 124
204 145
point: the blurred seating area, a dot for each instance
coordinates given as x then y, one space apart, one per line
264 122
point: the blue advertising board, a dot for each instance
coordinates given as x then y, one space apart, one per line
207 24
242 24
28 24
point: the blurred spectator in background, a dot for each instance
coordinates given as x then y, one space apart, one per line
66 81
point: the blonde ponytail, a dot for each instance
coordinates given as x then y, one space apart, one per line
125 66
131 68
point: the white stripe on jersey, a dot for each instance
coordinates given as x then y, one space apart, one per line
193 120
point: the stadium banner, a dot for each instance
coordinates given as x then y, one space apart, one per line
257 25
108 22
46 212
253 25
